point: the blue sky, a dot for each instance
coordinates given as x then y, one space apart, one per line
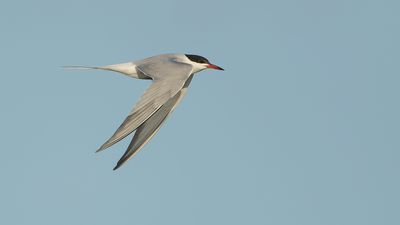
301 128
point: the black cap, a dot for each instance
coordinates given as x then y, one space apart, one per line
197 58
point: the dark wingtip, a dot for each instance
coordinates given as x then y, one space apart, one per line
117 166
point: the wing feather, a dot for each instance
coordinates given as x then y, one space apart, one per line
160 91
150 127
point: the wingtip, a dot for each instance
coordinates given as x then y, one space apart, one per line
117 166
119 163
103 147
99 150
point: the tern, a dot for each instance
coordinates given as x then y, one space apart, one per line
171 75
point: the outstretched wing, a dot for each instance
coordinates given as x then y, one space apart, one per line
160 91
150 127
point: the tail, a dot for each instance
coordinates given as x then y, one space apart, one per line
128 69
83 67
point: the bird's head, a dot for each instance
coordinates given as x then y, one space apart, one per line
201 63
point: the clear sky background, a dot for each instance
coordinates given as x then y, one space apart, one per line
302 127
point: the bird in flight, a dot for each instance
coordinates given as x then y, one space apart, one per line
171 75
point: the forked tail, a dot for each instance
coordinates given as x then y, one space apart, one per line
83 67
128 69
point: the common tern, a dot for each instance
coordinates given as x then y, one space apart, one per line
171 75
